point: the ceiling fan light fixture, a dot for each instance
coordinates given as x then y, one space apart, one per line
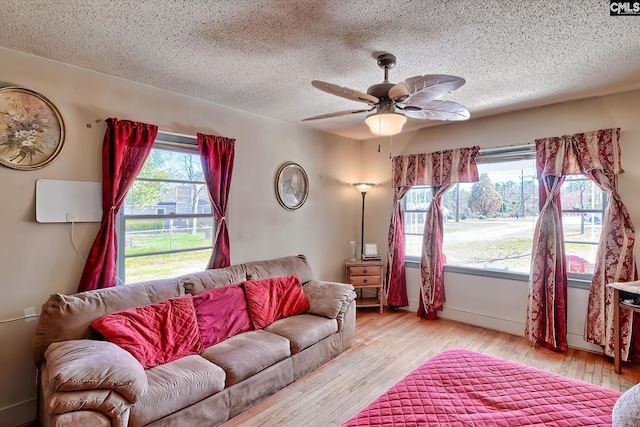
385 124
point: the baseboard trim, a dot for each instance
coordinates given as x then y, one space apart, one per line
500 324
487 321
24 402
20 413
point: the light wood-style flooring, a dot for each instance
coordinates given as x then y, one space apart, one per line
389 346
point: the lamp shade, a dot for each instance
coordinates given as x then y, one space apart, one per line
385 124
363 187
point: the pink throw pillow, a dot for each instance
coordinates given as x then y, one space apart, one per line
274 298
156 333
222 313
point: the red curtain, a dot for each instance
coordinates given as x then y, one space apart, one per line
217 153
436 169
396 279
126 146
547 304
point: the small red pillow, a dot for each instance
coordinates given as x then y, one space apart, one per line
222 313
274 298
154 334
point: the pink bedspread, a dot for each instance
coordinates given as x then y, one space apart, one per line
465 388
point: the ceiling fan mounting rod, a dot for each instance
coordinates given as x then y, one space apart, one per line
386 61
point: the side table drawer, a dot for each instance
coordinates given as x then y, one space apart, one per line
365 280
375 270
368 280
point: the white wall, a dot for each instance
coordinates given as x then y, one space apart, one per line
38 259
489 302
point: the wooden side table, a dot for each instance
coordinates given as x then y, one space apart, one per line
366 275
632 288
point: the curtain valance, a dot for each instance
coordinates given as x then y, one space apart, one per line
437 168
580 153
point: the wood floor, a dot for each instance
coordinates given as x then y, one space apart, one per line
389 346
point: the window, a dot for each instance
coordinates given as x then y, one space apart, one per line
165 225
490 224
583 206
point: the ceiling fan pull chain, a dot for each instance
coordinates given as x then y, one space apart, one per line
390 146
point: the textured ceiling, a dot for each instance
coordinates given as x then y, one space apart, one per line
260 56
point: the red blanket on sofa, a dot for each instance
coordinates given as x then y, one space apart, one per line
465 388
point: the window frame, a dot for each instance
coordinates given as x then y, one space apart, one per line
168 142
500 155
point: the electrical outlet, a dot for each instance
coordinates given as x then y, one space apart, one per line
30 314
71 217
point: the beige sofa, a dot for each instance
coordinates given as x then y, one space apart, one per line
86 381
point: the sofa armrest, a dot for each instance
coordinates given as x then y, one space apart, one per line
90 364
328 299
106 402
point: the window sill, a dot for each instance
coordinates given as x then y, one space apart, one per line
573 282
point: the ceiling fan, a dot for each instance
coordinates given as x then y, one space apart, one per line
415 97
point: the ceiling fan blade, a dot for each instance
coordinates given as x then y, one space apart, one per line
345 92
438 110
336 114
427 87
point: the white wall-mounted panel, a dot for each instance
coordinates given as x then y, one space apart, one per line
57 198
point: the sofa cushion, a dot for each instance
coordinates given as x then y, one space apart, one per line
195 283
286 266
248 353
221 313
304 330
328 298
156 333
91 364
274 298
176 385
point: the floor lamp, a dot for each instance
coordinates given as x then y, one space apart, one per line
362 187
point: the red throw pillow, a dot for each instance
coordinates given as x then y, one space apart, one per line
222 313
154 334
274 298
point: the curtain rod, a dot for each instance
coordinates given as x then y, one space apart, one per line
176 137
508 147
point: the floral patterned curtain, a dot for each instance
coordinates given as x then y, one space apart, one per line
547 304
595 154
433 260
436 169
615 260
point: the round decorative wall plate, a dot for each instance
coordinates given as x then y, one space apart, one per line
292 186
31 129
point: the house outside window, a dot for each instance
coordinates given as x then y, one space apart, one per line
166 223
490 224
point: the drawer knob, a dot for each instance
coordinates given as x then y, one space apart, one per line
365 280
364 271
